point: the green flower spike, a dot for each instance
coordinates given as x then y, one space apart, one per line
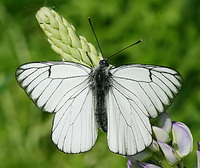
64 40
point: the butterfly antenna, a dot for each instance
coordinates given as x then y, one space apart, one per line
90 59
125 48
95 35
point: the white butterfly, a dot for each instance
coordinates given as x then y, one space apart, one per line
120 101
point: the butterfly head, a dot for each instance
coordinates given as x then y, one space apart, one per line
104 63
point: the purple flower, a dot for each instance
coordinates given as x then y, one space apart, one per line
138 164
182 139
129 164
145 165
198 159
198 155
161 152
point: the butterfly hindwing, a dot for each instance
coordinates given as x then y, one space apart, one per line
74 127
129 129
63 88
138 92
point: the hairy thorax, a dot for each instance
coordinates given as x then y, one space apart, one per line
101 81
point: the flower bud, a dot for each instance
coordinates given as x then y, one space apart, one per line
164 122
64 40
154 147
169 153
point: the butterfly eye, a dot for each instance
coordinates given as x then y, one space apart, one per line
104 63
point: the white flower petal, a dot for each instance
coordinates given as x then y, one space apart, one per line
160 134
165 122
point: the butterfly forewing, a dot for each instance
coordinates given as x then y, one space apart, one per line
63 88
150 85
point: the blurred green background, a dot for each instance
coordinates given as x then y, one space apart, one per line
170 30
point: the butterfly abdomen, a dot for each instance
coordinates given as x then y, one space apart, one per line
100 87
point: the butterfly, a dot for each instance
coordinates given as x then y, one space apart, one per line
118 100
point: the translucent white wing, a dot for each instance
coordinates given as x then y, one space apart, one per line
138 92
63 88
129 129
